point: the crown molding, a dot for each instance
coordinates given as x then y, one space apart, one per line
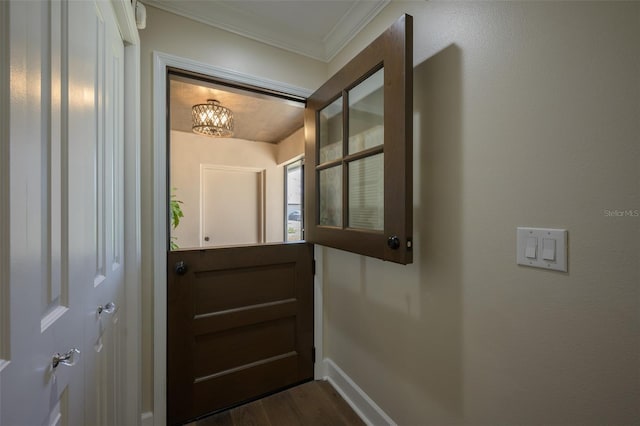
350 25
255 27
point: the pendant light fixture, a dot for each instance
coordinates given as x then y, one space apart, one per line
212 119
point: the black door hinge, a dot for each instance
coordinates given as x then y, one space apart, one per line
313 267
313 354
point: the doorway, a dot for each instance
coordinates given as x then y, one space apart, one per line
239 312
162 63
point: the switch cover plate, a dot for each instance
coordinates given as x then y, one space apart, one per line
551 247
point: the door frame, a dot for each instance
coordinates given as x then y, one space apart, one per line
132 392
161 63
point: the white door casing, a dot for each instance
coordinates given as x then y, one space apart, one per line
4 185
65 214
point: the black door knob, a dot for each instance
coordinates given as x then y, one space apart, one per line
181 268
393 242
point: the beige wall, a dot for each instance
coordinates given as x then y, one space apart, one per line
291 147
188 39
525 114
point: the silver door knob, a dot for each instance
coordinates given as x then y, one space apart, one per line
109 308
69 358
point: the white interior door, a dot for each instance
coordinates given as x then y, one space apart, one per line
100 207
64 214
232 206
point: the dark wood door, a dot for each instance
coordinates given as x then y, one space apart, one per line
240 325
359 152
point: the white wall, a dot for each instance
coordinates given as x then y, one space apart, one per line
525 114
184 38
189 151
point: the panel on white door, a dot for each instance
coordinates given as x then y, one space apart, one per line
232 206
60 411
54 115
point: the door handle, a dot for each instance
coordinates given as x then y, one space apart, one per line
181 268
109 308
393 242
69 358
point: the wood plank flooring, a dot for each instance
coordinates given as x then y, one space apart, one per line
311 404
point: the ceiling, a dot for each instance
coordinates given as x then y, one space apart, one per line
256 117
315 28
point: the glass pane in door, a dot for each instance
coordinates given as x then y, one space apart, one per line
330 122
366 193
330 196
366 113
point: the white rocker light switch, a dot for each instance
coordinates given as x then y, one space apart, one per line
542 248
548 249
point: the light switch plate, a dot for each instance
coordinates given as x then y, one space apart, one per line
559 236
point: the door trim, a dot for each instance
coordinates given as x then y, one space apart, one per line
5 211
132 238
161 62
132 392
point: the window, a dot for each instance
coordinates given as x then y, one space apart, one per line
359 152
294 201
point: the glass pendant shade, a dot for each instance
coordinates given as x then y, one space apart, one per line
212 119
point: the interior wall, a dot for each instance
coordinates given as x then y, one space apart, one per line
291 147
184 38
189 151
525 114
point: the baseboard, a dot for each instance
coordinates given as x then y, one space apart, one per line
364 406
146 419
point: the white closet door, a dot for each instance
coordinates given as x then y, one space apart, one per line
98 196
63 213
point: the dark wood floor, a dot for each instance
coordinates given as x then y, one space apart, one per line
311 404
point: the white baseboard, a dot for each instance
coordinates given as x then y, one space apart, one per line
146 419
364 406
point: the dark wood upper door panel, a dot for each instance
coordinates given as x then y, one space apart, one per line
358 152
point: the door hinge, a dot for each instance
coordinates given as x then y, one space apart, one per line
313 267
313 354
